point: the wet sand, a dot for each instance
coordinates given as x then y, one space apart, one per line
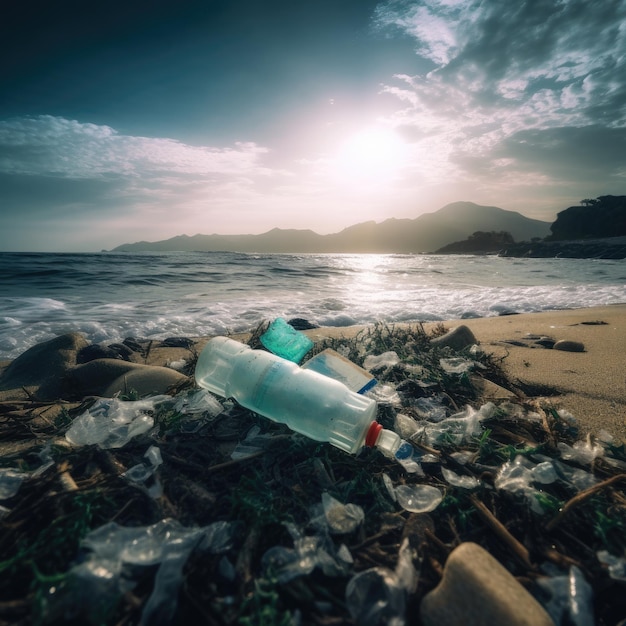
591 384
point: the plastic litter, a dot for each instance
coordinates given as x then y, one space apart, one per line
378 595
568 598
253 443
404 456
105 573
431 408
142 472
198 402
112 423
11 479
418 498
341 518
517 477
10 482
385 394
615 564
456 365
334 365
458 428
464 482
285 341
308 402
308 553
375 362
583 452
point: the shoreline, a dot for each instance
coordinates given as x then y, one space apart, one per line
591 385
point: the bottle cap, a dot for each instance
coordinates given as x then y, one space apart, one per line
215 364
388 442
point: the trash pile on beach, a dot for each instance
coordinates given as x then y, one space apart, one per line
184 507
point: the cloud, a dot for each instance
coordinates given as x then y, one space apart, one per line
55 146
76 175
507 76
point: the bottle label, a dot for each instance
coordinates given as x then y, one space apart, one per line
266 383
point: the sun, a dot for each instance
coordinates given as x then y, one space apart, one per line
372 155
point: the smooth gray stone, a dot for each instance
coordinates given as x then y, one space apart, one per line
458 338
106 377
42 368
476 590
569 346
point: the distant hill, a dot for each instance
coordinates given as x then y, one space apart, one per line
479 242
424 234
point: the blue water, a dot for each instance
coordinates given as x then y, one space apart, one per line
110 296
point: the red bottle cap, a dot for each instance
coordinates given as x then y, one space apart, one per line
372 434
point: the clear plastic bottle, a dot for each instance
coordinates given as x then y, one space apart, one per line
309 403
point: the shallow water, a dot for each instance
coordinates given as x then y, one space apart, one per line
110 296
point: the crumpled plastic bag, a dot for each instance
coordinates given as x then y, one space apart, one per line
112 423
378 596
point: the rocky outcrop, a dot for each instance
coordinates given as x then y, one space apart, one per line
603 217
609 248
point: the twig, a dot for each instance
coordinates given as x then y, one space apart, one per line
492 521
579 498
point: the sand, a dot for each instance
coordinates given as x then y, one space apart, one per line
591 384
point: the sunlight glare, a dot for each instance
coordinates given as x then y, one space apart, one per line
373 155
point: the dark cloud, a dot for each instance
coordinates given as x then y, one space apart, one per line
573 154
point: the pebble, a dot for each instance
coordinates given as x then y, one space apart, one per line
476 590
458 338
106 377
569 346
42 368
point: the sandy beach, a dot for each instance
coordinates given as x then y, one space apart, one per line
591 384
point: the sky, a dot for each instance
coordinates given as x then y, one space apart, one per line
142 120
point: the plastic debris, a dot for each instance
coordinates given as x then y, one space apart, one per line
285 341
104 574
112 423
569 598
460 427
375 362
583 452
616 565
517 477
404 456
464 482
418 498
341 518
308 553
334 365
142 472
456 365
10 482
198 402
431 408
253 443
385 394
379 595
178 365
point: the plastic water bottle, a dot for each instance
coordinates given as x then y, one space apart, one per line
309 403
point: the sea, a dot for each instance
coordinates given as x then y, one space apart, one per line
109 296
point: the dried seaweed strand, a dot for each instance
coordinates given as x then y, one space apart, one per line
492 521
579 498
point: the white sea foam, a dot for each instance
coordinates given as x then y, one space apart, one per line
160 296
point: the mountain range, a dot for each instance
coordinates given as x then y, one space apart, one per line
424 234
